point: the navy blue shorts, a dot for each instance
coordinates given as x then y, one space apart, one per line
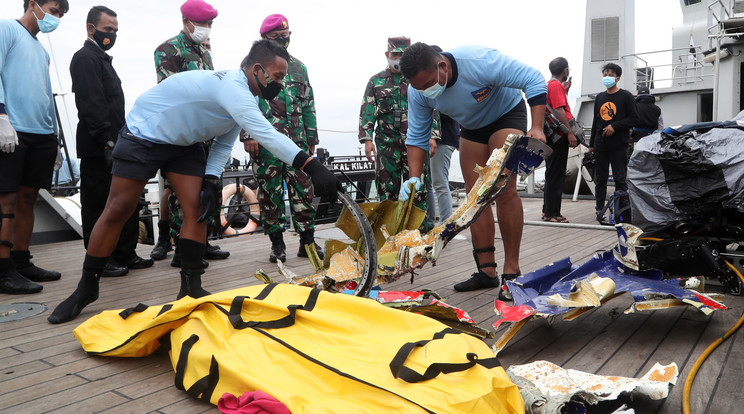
30 165
139 159
516 118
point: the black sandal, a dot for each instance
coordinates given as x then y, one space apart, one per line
480 280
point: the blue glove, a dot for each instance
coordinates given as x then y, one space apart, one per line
405 189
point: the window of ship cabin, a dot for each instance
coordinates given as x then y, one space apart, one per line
605 39
691 2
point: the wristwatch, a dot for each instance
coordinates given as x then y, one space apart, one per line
109 144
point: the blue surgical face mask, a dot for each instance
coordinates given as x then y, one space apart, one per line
433 91
608 81
48 23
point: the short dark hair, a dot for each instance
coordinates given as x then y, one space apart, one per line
264 51
417 57
63 4
94 15
557 66
613 67
437 48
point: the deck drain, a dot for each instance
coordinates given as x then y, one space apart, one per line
18 311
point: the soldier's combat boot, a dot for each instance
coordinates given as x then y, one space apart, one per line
214 252
163 245
278 249
85 294
308 237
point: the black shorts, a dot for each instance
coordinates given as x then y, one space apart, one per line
516 118
140 159
30 165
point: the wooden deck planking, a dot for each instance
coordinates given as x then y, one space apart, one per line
43 368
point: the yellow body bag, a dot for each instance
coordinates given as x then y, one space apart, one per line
315 351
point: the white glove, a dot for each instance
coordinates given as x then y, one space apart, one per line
58 161
405 189
8 136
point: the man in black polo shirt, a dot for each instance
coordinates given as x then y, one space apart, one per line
100 104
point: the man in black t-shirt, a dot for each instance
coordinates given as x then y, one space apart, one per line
615 114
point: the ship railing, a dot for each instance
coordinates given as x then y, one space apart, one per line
718 11
690 69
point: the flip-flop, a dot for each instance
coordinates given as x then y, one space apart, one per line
558 219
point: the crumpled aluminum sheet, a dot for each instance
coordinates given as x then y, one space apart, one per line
548 389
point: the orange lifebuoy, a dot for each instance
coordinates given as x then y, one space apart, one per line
250 197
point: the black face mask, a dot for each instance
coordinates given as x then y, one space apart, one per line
104 40
282 41
272 88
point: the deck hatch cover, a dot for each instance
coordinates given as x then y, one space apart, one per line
22 310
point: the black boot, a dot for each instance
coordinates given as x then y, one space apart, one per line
215 253
191 284
191 272
308 237
176 262
85 294
164 242
22 260
278 249
14 283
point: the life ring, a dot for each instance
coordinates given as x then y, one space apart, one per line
250 197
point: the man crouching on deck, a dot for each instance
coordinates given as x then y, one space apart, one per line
164 130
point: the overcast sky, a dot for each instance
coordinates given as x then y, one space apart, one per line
342 43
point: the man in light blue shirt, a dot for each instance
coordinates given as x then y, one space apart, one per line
165 130
482 90
28 139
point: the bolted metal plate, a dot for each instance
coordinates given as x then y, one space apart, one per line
18 311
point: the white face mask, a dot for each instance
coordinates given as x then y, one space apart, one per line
200 34
394 64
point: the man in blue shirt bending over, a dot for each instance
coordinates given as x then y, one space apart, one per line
165 130
482 90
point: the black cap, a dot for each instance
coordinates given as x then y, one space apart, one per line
643 90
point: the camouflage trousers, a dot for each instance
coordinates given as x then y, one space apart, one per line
271 175
175 215
392 170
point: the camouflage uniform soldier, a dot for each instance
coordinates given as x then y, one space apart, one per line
184 52
292 113
385 112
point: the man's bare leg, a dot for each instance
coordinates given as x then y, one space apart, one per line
23 227
509 212
10 280
482 230
122 200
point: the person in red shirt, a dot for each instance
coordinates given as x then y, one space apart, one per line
555 173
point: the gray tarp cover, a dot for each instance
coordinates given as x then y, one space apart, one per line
690 176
